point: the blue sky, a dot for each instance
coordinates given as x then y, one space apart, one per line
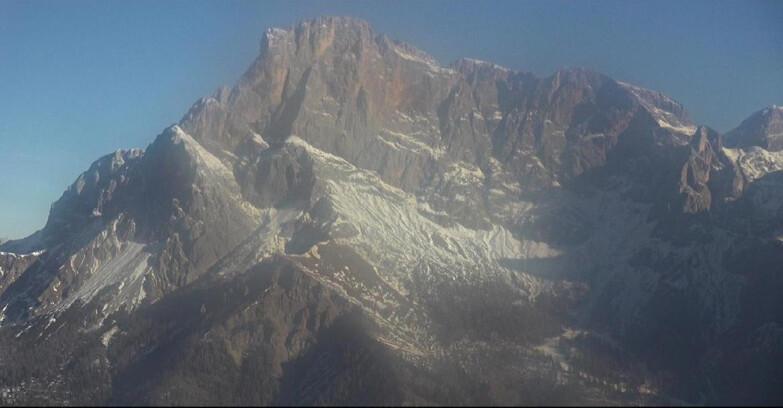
82 79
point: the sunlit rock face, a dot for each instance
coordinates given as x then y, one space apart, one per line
354 223
763 129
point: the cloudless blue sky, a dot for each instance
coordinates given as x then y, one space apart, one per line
82 79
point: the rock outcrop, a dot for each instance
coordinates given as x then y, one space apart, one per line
763 129
352 210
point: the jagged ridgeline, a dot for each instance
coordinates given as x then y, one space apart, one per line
353 223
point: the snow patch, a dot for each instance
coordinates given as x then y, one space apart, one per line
106 338
390 230
401 141
755 162
125 269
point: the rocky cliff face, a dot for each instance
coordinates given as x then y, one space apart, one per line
351 209
763 129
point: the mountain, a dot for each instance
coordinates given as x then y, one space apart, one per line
763 129
353 223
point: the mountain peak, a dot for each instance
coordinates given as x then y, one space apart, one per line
448 212
763 128
315 32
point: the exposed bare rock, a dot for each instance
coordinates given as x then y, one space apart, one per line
353 223
763 129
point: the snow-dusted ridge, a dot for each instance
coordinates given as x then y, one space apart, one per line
755 162
482 63
22 255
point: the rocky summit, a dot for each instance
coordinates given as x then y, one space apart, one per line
353 223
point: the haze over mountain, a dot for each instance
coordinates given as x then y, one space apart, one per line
353 223
129 69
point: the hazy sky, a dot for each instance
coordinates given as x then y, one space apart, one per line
79 80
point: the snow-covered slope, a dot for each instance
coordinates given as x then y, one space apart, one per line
469 224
